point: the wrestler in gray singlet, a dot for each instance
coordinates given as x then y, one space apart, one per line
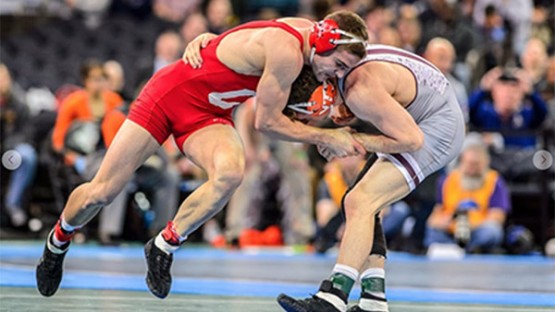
435 110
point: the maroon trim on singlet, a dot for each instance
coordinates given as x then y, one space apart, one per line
403 54
262 24
407 166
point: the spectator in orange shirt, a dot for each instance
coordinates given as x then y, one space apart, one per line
88 105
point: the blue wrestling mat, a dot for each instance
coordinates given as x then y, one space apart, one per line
520 282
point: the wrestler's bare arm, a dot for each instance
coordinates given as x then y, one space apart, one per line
369 100
281 67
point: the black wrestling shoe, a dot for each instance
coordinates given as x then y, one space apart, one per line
313 304
356 308
158 276
50 268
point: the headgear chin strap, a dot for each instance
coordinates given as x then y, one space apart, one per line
320 102
326 36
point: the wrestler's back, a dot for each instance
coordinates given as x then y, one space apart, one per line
243 50
220 84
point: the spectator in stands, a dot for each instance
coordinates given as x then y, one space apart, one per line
376 19
14 119
115 77
495 49
167 50
441 53
542 18
268 14
390 36
547 87
410 31
534 61
517 12
194 25
77 136
89 105
442 18
219 14
477 192
174 11
514 105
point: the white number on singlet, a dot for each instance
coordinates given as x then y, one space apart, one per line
219 98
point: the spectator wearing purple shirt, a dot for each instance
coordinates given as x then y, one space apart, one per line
477 192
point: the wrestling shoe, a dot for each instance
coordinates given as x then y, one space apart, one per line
380 305
356 308
158 276
50 267
314 303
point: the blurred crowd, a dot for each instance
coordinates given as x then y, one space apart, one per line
69 71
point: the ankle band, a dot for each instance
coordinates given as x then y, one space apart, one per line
171 236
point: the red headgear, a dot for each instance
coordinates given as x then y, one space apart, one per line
325 36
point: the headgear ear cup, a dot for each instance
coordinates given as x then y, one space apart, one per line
323 35
326 36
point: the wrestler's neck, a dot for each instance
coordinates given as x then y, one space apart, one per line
304 27
308 52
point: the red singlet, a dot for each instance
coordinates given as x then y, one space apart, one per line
180 100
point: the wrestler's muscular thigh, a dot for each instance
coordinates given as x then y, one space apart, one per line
219 151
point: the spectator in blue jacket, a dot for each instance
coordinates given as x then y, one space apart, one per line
506 101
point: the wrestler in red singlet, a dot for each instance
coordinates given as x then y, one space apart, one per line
179 100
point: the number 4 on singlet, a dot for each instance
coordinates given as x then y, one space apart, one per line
219 98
